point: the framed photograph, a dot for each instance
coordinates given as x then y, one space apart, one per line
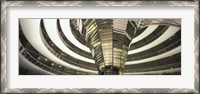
100 47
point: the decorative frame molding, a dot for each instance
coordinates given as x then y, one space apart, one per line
5 4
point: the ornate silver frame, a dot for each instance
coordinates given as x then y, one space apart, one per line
5 4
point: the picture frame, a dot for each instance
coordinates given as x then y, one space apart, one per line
4 18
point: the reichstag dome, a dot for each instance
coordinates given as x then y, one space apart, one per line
99 46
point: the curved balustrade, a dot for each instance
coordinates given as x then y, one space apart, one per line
154 35
65 26
46 64
36 62
162 67
175 71
71 45
76 32
67 58
167 34
61 55
50 25
159 49
144 34
42 62
165 61
172 46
